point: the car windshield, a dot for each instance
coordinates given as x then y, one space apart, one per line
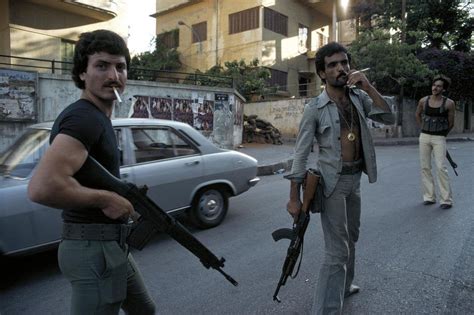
21 157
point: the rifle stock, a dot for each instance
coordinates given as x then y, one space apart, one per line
152 217
450 160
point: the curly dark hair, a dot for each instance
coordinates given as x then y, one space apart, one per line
90 43
445 79
327 51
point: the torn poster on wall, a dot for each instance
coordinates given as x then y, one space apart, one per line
197 112
17 95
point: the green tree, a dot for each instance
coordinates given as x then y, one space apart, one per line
445 24
393 65
249 79
146 66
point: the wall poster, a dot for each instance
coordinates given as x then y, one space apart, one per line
17 95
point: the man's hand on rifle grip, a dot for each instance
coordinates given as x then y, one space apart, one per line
294 208
294 205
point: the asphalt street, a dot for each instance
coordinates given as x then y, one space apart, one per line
411 258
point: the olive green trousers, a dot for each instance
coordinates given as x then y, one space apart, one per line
104 278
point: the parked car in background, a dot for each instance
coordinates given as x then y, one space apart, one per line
184 173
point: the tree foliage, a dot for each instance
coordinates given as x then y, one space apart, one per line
458 66
446 24
393 65
438 40
162 58
249 79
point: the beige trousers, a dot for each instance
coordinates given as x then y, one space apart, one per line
434 147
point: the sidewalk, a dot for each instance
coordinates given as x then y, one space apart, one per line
274 159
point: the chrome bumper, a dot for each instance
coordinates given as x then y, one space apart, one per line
254 181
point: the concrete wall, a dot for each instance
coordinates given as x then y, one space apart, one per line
55 92
286 115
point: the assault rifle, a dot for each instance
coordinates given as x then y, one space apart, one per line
296 234
450 160
152 218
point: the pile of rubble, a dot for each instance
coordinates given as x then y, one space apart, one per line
260 131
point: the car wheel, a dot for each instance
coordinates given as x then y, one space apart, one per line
209 207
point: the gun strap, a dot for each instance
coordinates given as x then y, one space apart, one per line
293 276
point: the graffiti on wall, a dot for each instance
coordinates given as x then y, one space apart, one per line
286 110
17 95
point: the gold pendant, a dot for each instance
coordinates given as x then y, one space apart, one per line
351 136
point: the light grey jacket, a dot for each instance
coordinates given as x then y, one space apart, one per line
321 120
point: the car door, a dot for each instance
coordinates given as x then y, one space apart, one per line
126 158
167 163
25 225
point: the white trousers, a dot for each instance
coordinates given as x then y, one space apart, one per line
434 147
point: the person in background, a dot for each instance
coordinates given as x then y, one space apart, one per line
92 254
435 116
336 119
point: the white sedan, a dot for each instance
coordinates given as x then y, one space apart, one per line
184 173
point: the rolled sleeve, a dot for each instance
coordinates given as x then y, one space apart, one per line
376 113
303 145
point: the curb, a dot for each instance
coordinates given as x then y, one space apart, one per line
412 141
283 166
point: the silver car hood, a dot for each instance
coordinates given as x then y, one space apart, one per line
7 181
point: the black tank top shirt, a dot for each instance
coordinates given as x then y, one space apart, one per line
434 121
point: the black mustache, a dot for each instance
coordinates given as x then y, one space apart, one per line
113 84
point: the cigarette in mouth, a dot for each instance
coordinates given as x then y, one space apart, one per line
117 95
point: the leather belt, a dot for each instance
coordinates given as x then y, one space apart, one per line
351 168
96 232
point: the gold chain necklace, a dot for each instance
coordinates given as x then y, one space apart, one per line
350 136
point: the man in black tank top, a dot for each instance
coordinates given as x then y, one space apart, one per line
435 116
92 254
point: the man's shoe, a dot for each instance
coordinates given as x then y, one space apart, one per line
445 206
352 290
428 202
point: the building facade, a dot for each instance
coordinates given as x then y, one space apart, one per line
283 35
48 29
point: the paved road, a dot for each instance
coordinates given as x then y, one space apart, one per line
411 259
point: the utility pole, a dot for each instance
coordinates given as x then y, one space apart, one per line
402 92
334 21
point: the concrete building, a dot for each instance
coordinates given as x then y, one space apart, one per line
48 29
282 34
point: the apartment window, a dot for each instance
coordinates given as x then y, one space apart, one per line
275 21
322 40
244 20
278 78
302 38
170 39
303 85
67 53
199 32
